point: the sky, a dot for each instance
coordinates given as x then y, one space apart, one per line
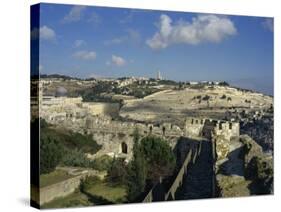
87 41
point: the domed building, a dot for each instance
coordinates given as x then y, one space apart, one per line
61 92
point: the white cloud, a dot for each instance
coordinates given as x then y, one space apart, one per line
79 43
75 14
44 32
268 24
85 55
203 28
117 61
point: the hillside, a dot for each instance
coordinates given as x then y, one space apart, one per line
209 101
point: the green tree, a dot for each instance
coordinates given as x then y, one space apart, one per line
159 157
118 171
137 170
51 152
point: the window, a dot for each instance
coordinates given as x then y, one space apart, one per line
124 148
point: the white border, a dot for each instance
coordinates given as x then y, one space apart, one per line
14 155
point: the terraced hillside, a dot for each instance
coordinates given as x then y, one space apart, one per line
209 101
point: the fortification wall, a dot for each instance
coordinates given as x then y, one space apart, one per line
218 131
64 107
116 136
194 127
227 129
97 108
222 136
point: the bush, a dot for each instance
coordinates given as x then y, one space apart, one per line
51 152
102 163
70 140
118 171
223 96
206 98
75 158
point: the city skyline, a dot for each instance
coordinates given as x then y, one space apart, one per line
86 41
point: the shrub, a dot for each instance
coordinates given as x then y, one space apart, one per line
206 98
102 163
223 96
51 152
118 171
75 158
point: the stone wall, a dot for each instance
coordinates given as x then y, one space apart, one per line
113 134
223 133
218 131
66 187
60 189
194 127
64 107
104 108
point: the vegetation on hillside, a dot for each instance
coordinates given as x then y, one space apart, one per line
62 147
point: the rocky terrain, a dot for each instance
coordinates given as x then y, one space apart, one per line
246 171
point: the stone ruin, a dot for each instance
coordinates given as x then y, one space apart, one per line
116 137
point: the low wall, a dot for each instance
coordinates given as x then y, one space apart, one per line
66 187
60 189
170 195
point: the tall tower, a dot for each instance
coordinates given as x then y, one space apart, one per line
159 77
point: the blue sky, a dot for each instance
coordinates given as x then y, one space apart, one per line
112 42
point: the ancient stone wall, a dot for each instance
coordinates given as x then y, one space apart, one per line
222 136
104 108
194 127
218 131
116 136
60 189
64 107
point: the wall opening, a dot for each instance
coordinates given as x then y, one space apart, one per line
163 130
230 126
124 148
